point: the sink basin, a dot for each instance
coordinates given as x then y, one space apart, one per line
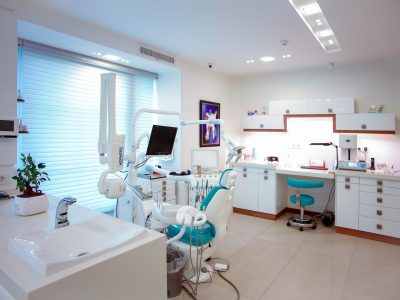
166 213
54 250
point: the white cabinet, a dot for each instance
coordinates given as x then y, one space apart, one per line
267 192
382 122
288 107
245 195
264 122
163 190
331 106
347 198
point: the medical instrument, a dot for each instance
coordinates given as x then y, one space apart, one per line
372 165
272 159
353 165
329 144
348 143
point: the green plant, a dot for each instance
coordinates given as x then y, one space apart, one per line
30 176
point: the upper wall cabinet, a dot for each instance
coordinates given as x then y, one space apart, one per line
366 123
331 106
288 107
264 123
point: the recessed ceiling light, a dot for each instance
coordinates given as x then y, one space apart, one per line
311 9
330 42
98 53
112 57
313 23
325 33
267 58
249 61
286 56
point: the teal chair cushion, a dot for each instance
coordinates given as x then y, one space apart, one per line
207 199
198 237
304 184
304 199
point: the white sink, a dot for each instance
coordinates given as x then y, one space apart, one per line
55 250
165 213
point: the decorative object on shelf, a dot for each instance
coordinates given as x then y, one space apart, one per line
209 133
22 127
32 200
376 108
252 112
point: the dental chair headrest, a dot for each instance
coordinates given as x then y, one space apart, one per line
227 179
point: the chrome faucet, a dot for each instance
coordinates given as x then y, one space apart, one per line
62 211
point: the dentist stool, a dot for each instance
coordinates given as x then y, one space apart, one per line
302 221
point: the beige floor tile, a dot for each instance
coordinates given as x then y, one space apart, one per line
231 243
255 266
310 275
247 225
374 271
213 291
280 233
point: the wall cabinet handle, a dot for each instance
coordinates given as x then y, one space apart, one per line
379 213
261 125
347 179
379 190
330 110
287 111
347 186
379 182
363 126
379 226
379 200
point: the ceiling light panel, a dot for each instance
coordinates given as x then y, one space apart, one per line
267 59
312 15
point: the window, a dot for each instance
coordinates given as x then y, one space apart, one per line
62 113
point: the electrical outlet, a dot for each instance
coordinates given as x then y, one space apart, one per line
4 179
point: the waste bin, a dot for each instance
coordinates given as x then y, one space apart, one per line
176 261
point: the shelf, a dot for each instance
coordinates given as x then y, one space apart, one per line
20 100
23 132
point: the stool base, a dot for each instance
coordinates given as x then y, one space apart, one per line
302 222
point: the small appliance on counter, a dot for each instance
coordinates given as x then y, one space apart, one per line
353 165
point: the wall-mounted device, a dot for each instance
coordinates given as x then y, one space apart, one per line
348 145
353 165
9 127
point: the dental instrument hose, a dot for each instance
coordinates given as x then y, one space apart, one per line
230 283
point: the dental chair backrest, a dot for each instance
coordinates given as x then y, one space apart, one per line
219 207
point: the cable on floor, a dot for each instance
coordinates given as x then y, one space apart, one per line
231 283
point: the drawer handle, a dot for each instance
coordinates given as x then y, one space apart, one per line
244 175
347 186
244 169
379 212
347 179
287 111
379 226
379 200
266 177
261 125
265 171
363 126
379 190
330 110
164 183
164 188
379 182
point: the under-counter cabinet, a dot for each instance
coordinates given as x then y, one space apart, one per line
347 198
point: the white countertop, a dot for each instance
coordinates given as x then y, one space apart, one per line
18 277
329 174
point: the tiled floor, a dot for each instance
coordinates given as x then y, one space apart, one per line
269 260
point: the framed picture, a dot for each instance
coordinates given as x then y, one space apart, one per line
209 133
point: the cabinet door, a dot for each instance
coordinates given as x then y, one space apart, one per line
266 122
267 192
365 122
347 198
288 107
245 194
331 106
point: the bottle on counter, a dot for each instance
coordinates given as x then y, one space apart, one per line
253 154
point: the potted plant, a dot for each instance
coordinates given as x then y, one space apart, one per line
32 200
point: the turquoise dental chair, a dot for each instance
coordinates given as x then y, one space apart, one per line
302 221
218 207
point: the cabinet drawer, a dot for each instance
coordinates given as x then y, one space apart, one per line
379 190
164 188
266 172
158 183
380 200
243 169
379 226
378 182
391 214
348 179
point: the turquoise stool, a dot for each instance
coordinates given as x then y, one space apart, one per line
302 200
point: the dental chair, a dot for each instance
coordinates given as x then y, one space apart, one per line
217 206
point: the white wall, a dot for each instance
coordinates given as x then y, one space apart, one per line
8 85
370 83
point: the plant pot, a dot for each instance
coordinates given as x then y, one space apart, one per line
31 205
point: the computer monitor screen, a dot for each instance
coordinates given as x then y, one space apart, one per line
161 140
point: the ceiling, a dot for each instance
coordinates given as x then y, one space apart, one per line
229 32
